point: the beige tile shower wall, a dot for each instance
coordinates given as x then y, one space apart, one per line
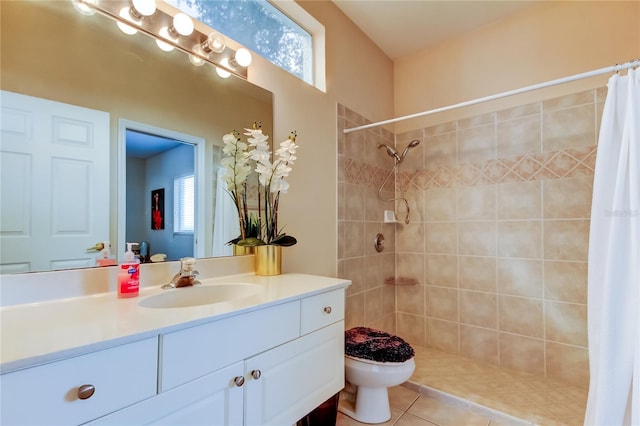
503 201
362 169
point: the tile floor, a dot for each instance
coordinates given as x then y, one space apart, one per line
451 390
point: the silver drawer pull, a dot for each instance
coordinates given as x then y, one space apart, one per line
86 391
239 381
327 309
256 374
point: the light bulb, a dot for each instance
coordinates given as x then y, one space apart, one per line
196 60
127 29
164 32
221 71
215 43
144 7
243 57
84 6
183 24
196 57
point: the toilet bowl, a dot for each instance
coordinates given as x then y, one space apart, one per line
371 380
374 361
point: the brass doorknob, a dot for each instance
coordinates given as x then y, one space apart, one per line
86 391
256 374
239 381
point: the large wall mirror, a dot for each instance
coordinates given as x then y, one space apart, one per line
52 53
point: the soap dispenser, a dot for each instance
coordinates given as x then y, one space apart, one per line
129 274
105 259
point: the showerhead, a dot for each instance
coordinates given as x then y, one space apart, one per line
412 144
390 151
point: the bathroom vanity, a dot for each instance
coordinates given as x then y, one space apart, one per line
265 356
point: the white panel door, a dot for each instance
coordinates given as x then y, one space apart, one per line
54 194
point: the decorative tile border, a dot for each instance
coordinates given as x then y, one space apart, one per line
561 164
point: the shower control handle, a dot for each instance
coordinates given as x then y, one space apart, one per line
379 242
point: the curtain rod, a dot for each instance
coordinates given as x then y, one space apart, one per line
616 68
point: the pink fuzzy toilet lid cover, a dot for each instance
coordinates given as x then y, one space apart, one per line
376 345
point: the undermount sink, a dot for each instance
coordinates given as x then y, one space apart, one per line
198 295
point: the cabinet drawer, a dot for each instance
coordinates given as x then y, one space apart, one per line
321 310
48 394
193 352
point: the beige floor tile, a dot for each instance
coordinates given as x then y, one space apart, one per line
501 423
517 393
411 420
443 414
344 420
401 397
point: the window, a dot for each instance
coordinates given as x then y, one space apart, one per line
268 31
183 205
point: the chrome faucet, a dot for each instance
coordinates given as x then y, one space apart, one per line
187 275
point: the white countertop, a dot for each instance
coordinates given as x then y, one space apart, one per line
37 333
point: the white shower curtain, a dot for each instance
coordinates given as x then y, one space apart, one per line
225 225
614 261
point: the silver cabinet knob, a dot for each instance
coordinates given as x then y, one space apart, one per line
239 381
327 309
256 374
86 391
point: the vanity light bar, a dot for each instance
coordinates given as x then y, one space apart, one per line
161 19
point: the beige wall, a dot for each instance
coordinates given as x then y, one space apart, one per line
310 207
502 190
549 40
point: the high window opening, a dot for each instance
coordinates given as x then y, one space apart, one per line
267 30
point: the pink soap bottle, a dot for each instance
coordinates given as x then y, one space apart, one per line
129 274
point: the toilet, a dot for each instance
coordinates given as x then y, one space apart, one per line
374 361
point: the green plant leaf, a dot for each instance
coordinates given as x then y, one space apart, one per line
284 240
234 241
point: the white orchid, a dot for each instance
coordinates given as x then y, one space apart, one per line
238 157
235 163
271 178
236 169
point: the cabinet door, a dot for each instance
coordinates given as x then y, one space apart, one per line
294 378
214 399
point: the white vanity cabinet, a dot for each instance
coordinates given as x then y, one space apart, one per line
78 389
270 366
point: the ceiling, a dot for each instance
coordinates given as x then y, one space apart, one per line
144 145
403 27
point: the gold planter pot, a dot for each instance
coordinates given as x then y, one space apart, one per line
268 260
242 250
